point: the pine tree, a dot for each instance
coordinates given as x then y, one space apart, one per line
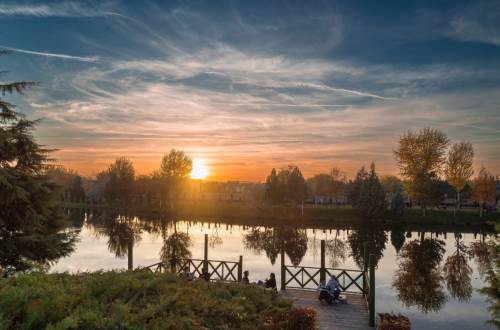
372 198
30 214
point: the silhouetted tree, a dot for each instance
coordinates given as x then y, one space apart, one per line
31 218
367 195
288 185
120 183
175 168
76 191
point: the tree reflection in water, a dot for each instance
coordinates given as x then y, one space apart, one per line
458 273
123 232
375 240
398 238
336 249
418 280
487 255
175 247
270 240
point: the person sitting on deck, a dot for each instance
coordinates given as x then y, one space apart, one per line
205 275
270 283
245 279
334 287
187 274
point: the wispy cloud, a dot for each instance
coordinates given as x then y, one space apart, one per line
248 94
61 9
477 22
54 55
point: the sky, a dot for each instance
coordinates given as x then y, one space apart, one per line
245 86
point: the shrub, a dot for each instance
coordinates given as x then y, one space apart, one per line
138 300
389 321
295 319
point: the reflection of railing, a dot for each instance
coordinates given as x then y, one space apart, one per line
350 280
217 270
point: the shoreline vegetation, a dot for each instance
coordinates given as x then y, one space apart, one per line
141 299
321 216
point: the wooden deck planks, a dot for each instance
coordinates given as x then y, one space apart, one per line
351 316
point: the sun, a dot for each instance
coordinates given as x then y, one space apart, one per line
200 169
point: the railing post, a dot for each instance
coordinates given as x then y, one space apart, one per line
130 255
240 269
322 271
282 268
205 255
371 300
365 266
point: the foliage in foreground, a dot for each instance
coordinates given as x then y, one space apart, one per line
138 300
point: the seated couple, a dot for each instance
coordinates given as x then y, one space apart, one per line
269 283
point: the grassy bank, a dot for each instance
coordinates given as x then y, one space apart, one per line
240 213
140 300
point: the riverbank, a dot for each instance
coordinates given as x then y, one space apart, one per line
140 300
244 214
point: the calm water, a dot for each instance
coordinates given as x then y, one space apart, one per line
434 290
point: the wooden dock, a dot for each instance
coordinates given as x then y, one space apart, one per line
352 315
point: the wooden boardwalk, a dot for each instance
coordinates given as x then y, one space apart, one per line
350 316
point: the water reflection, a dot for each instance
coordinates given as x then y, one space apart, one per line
272 240
487 256
175 247
375 240
427 272
336 250
418 279
457 272
398 238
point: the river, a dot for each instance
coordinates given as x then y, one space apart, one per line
431 277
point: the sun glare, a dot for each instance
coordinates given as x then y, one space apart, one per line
200 169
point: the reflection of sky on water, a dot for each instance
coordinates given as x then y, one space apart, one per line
92 254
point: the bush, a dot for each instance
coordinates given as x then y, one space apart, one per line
296 319
390 321
137 300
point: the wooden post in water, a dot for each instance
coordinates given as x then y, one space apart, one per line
365 266
282 267
240 269
371 300
205 255
130 255
322 270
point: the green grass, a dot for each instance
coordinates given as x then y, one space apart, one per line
139 300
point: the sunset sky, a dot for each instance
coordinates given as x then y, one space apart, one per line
246 86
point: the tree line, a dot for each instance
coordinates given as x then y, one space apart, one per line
431 169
